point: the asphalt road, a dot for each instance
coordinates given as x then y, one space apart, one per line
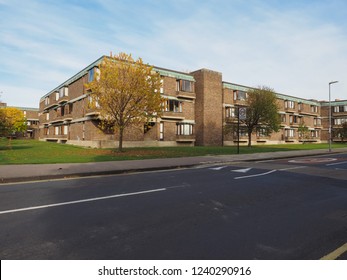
255 210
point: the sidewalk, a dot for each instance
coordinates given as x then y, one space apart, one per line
31 172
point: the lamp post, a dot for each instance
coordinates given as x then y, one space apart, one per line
333 82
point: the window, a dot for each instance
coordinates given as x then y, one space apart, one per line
184 129
289 104
172 106
93 102
70 108
162 86
340 121
317 122
262 132
47 100
91 75
243 132
314 108
57 130
184 85
300 106
293 119
65 129
315 133
290 133
240 95
283 118
64 91
46 131
230 112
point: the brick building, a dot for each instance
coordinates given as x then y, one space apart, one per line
198 107
32 118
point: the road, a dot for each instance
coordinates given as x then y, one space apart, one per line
281 209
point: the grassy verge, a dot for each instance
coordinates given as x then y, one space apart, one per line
37 152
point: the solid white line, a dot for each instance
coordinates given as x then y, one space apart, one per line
336 163
256 175
79 201
290 168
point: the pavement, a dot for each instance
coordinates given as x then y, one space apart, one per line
34 172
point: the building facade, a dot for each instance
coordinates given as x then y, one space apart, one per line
31 116
199 106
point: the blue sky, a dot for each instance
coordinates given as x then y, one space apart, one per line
295 47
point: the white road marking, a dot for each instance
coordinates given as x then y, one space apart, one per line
336 163
256 175
80 201
245 170
290 168
218 168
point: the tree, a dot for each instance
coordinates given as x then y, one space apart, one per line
342 131
303 132
126 92
12 120
261 111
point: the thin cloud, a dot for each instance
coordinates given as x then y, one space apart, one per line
293 47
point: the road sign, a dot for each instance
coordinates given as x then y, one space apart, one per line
242 113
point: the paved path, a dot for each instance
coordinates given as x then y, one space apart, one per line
28 172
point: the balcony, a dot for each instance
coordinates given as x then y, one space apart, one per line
172 116
186 95
185 138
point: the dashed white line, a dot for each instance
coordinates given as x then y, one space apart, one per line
80 201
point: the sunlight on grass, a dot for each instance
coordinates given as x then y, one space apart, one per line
38 152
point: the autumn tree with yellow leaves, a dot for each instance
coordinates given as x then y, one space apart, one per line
126 92
12 120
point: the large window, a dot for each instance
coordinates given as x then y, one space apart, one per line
230 112
184 85
289 104
290 133
172 106
184 129
240 95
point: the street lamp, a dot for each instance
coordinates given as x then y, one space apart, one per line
333 82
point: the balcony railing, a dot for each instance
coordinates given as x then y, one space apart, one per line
185 138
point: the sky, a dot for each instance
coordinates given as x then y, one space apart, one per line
295 47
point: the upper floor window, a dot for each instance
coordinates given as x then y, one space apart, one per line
314 108
47 100
240 95
172 106
93 73
184 85
300 106
288 104
230 112
64 91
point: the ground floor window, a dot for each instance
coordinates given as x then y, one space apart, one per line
290 133
184 129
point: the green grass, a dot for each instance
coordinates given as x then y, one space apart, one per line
37 152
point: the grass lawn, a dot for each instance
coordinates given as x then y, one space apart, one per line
38 152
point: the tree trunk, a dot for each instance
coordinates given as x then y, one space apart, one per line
120 146
250 138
